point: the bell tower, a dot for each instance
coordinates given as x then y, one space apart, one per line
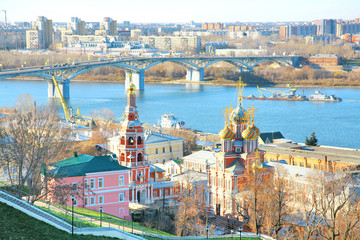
132 151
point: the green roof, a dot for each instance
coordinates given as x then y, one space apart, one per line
82 158
270 136
82 164
178 161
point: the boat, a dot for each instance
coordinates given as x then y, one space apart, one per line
279 95
321 97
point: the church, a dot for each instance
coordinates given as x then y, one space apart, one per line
131 151
238 154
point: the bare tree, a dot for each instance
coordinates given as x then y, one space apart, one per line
191 208
252 202
279 199
30 138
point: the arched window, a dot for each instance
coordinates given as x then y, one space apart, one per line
139 141
140 158
131 141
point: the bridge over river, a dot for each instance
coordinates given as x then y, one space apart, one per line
137 65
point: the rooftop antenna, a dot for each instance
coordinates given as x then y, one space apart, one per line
5 16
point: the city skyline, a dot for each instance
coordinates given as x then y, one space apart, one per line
160 11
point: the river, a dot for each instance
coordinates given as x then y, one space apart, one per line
200 106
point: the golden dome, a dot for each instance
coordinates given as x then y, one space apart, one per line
251 132
257 166
132 88
226 133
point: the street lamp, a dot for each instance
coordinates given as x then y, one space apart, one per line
101 210
132 222
240 230
207 232
72 214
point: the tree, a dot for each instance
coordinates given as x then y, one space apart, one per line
252 202
312 141
279 200
192 205
330 208
30 138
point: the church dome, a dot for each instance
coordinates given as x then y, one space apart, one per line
132 88
257 166
251 132
238 115
226 134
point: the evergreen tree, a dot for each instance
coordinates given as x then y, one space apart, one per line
312 141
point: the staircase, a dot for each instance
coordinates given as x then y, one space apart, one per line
31 210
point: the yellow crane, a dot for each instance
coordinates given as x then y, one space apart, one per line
69 116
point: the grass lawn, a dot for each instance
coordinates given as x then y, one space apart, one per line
116 220
15 224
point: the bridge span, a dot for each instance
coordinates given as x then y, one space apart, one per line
137 65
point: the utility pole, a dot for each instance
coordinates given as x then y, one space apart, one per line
5 16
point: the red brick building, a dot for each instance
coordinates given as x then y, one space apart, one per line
325 60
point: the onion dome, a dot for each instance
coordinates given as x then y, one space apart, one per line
251 132
238 115
226 133
257 166
132 88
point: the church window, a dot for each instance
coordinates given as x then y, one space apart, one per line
140 158
139 141
131 141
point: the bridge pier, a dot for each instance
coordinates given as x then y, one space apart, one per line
64 89
137 79
195 75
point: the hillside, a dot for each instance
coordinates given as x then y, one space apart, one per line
15 224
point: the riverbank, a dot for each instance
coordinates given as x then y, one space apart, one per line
210 82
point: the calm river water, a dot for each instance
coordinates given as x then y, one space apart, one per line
200 106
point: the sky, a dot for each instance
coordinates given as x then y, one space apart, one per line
182 11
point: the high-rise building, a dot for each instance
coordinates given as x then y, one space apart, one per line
77 26
126 25
42 35
110 26
167 43
325 27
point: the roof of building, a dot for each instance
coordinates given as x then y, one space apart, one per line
236 166
80 165
190 176
201 157
325 56
335 154
158 166
269 137
157 137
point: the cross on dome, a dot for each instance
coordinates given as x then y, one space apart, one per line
227 112
240 85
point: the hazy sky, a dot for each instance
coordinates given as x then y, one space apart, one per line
181 10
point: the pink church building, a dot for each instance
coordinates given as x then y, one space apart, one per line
95 181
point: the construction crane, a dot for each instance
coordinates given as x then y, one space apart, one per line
291 92
67 111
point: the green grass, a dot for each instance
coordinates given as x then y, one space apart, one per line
15 224
114 220
68 218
